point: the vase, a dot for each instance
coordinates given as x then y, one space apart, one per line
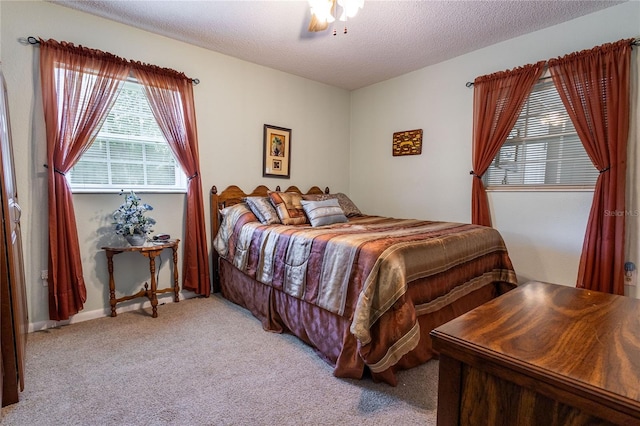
136 240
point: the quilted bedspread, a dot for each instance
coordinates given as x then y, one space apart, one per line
362 270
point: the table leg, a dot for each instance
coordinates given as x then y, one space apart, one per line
153 296
112 284
176 287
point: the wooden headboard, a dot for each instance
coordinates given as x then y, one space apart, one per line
234 195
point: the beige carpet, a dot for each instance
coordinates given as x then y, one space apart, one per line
201 362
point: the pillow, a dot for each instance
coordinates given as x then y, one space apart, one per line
288 207
230 215
263 209
324 212
348 207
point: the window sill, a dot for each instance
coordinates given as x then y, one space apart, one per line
540 188
137 191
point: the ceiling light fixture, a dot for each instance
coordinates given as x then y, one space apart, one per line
324 12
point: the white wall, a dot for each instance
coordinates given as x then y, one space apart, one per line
233 102
543 230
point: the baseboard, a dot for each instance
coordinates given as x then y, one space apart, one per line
99 313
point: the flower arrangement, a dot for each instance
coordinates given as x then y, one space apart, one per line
130 218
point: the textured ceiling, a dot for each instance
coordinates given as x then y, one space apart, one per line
386 39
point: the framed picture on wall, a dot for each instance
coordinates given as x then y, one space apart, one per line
408 142
276 159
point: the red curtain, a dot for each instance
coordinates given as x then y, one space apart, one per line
497 101
79 86
170 95
594 87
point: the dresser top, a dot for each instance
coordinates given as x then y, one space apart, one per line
587 339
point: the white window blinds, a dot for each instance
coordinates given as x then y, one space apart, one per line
129 152
543 148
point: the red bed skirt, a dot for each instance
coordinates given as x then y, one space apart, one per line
329 333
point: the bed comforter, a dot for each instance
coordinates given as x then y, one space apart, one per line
362 270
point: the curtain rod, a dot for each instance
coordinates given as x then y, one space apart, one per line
635 42
548 77
33 41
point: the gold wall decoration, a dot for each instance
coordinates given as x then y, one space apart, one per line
408 142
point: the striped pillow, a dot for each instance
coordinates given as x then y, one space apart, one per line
347 206
263 209
324 212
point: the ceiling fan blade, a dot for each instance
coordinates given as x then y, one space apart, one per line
316 25
326 9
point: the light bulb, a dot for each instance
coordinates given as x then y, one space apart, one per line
350 8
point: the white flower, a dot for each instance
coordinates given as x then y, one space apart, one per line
130 219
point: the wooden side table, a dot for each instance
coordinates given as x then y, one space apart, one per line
150 251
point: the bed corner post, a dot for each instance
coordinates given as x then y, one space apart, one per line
215 224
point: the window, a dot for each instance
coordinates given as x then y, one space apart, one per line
543 149
129 152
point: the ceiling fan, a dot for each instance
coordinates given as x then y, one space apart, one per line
325 12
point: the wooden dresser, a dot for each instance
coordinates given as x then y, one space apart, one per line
13 299
542 354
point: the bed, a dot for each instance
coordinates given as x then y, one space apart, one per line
364 291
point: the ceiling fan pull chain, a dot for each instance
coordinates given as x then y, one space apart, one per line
344 31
